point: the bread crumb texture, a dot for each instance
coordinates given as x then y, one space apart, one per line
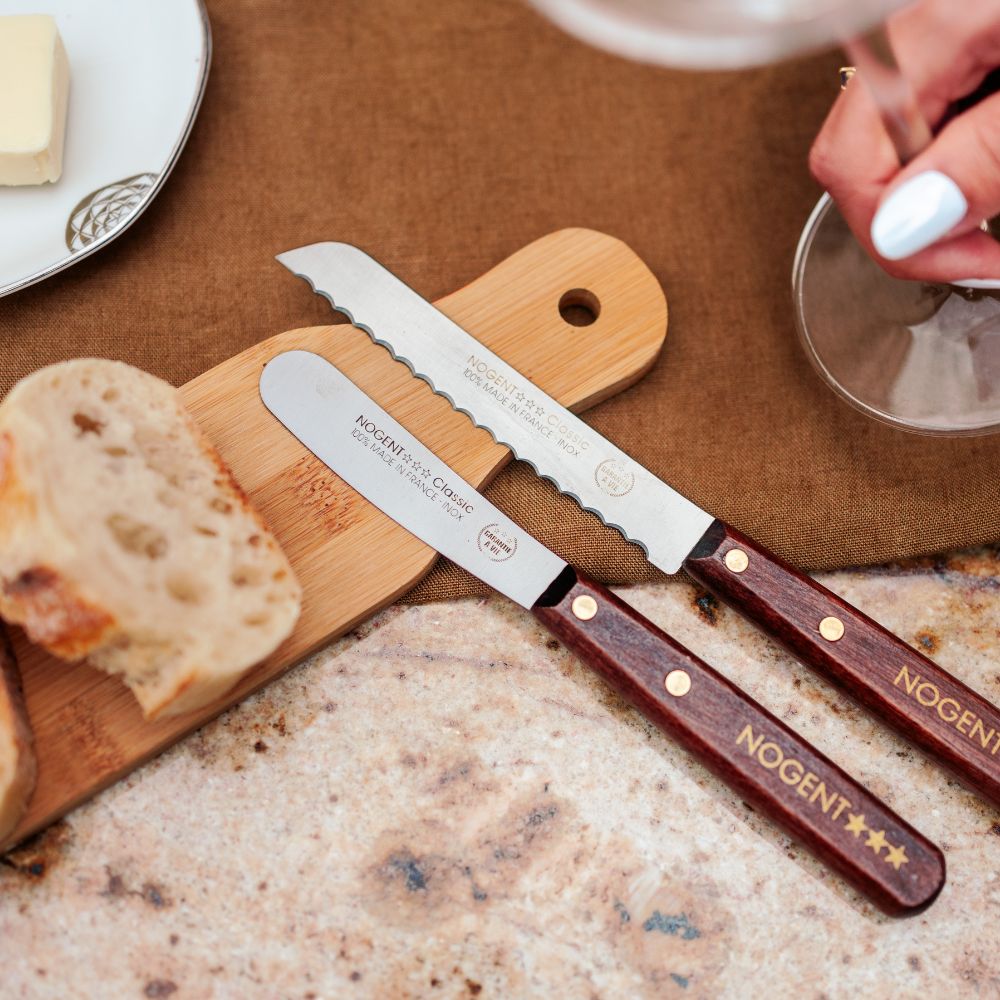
125 539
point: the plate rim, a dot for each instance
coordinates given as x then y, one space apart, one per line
154 190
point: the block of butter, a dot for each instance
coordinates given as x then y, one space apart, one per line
34 91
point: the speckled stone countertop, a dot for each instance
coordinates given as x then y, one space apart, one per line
446 804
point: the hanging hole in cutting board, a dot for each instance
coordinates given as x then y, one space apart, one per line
579 307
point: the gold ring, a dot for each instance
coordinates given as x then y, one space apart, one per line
846 72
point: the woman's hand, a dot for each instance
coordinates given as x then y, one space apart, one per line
922 222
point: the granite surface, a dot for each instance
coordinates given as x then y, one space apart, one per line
446 804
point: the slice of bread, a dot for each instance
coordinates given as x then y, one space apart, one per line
125 539
17 758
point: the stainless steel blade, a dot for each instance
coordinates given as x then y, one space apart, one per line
362 444
536 428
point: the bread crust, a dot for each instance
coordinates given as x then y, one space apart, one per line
16 739
52 614
48 607
172 660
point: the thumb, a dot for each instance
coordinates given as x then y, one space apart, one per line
944 195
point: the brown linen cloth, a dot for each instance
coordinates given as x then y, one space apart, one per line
441 136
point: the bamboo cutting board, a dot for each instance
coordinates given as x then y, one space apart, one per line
350 558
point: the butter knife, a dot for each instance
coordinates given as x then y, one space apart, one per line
759 756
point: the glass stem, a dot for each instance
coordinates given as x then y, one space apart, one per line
876 63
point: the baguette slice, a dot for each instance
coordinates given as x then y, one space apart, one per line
17 758
125 539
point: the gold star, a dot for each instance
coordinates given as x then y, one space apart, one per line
876 840
896 856
856 824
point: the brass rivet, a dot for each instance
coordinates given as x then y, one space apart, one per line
831 629
584 607
737 560
678 683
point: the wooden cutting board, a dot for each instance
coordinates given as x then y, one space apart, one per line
351 559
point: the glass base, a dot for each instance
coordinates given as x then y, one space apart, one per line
922 357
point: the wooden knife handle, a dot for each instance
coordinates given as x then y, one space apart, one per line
912 693
766 762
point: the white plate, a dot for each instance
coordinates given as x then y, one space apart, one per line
137 72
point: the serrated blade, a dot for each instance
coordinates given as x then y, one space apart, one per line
536 428
369 450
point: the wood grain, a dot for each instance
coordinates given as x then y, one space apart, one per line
350 557
937 712
773 768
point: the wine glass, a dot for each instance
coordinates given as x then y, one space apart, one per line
919 356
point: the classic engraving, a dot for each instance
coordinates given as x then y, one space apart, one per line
949 710
482 368
440 483
414 473
370 427
815 791
496 543
526 403
614 478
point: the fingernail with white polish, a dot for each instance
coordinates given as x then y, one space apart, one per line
989 283
917 214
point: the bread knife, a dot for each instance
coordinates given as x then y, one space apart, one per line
766 762
933 709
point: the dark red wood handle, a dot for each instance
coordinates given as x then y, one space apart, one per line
766 762
912 693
